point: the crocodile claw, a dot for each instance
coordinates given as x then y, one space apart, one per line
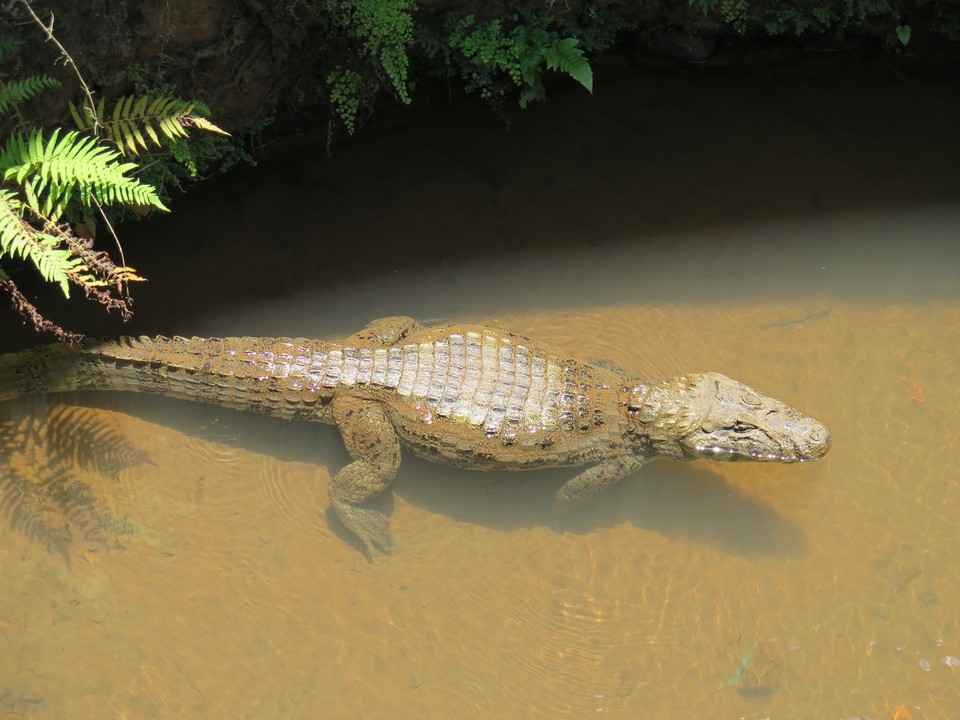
371 526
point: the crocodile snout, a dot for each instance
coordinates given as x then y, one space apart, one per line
812 440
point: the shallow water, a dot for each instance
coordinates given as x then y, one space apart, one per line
796 232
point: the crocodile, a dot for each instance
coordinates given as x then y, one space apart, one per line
469 396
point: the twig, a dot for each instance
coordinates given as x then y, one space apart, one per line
48 31
113 234
30 312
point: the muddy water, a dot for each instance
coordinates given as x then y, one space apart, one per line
795 231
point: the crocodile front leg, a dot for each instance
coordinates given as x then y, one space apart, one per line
373 444
385 331
591 481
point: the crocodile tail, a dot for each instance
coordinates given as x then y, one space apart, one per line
47 369
268 375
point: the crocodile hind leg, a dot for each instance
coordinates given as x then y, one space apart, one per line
591 481
385 331
373 444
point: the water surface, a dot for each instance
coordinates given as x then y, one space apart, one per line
796 231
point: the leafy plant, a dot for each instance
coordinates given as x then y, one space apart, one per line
876 17
385 29
39 177
135 119
51 172
14 92
597 29
19 91
344 90
903 34
735 13
48 175
370 43
182 157
487 53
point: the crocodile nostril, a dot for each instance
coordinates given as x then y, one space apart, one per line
819 441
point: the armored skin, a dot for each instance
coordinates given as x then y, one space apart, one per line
470 396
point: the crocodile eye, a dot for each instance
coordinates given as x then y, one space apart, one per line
751 399
742 427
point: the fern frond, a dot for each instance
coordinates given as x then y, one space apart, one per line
8 45
51 172
565 56
138 118
19 239
60 256
14 93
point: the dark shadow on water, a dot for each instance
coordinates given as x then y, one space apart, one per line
679 500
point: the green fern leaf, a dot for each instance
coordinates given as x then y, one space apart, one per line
19 239
172 129
565 56
52 172
158 106
138 136
8 45
151 132
136 122
77 117
20 91
122 108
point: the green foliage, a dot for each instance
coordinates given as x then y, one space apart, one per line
344 92
597 29
368 43
47 176
903 34
862 10
44 250
9 45
19 91
13 92
184 158
876 17
735 13
52 172
385 31
489 53
135 119
40 177
564 56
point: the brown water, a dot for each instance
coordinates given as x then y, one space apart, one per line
795 231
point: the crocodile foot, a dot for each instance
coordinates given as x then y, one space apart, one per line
386 331
373 443
370 525
591 481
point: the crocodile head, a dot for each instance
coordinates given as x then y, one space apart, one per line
711 416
